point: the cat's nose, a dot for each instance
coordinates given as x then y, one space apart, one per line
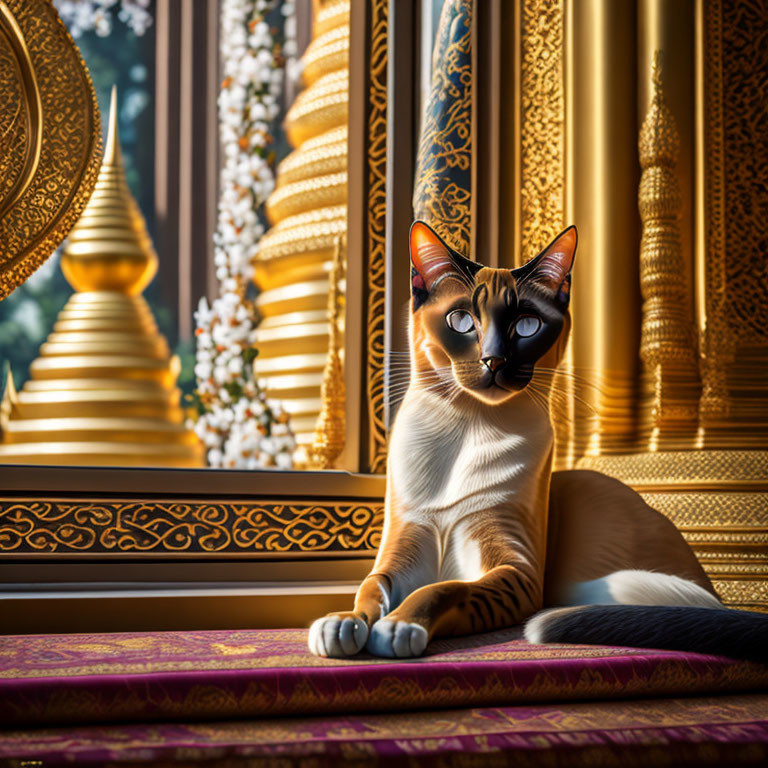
493 362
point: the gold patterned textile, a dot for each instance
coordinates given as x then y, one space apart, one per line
50 137
656 732
51 679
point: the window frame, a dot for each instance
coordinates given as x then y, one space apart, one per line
46 579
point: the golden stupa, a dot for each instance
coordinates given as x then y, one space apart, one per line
103 391
308 213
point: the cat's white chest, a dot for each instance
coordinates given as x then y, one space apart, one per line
446 463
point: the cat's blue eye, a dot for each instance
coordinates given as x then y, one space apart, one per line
527 325
460 321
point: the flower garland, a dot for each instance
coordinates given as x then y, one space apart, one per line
94 15
239 426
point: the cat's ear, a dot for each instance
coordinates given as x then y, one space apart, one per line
552 267
431 258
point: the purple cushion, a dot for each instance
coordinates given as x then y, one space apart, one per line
121 677
714 731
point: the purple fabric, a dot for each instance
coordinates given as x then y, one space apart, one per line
719 730
52 679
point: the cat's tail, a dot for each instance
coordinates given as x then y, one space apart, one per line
718 631
645 609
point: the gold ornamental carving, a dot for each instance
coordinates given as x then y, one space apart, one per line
158 526
667 339
50 137
377 209
330 430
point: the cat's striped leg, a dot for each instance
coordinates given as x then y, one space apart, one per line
504 596
403 564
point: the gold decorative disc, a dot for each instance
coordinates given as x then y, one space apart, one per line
50 137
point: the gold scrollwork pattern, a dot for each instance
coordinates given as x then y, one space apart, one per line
157 526
542 124
443 176
51 137
377 207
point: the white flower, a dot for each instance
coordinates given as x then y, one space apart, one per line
236 430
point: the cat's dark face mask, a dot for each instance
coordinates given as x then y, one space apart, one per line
486 329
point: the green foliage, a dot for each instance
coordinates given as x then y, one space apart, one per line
27 317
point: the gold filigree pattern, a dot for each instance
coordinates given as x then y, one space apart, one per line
377 208
106 526
443 188
735 330
59 149
745 216
542 124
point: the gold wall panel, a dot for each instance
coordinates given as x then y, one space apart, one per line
50 137
158 526
601 200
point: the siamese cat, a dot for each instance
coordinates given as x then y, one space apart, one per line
479 534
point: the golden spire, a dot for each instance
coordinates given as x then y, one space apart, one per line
103 390
109 248
330 429
667 342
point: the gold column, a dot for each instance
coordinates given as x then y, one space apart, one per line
103 390
601 179
308 211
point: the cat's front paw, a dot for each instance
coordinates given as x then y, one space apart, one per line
338 635
397 639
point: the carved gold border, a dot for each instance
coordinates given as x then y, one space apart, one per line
377 205
165 527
